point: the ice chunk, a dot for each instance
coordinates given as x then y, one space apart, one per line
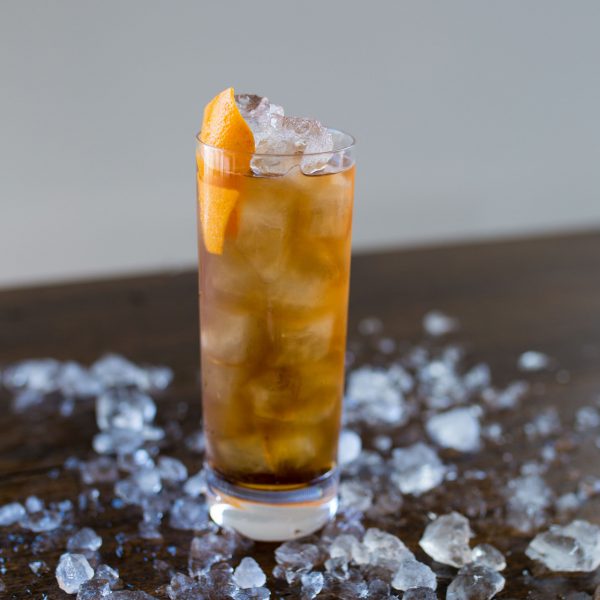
248 574
544 424
572 548
528 497
99 470
420 594
507 398
385 550
373 396
115 441
416 469
11 513
230 335
475 582
447 540
94 589
113 370
73 380
586 418
263 232
304 340
489 556
349 446
458 429
196 484
38 374
132 461
188 513
72 571
344 546
171 469
383 443
45 520
312 584
124 409
85 539
38 566
478 377
26 399
413 574
279 138
355 496
107 573
327 212
209 549
34 504
436 323
533 361
294 559
370 326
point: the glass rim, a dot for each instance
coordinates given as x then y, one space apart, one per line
344 148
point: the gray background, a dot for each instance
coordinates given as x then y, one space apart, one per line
473 118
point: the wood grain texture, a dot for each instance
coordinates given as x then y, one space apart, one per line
511 296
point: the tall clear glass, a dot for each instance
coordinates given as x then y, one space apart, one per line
274 267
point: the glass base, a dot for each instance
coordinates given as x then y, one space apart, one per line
272 516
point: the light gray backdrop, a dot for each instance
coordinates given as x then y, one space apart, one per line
473 118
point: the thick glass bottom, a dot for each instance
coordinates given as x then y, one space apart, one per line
272 516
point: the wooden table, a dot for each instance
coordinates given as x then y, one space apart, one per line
510 296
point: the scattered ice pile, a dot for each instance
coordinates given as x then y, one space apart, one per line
278 138
390 479
572 548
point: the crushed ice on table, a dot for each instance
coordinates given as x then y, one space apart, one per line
571 548
475 582
446 540
533 361
72 571
385 476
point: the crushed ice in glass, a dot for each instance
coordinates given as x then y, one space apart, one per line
390 476
283 142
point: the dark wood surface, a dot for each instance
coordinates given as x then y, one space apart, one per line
511 296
